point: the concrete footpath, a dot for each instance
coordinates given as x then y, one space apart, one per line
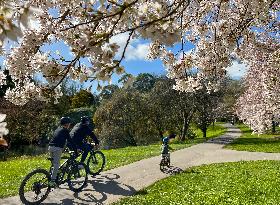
126 180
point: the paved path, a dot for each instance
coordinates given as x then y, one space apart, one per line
126 180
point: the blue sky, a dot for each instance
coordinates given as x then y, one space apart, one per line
135 61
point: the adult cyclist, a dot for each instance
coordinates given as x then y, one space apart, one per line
79 133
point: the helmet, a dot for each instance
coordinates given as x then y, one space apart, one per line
65 120
85 119
165 140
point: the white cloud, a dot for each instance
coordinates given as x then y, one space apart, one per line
135 50
237 70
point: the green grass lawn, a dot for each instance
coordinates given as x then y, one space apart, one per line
254 143
13 170
250 183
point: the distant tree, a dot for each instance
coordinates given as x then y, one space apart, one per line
206 104
83 99
126 80
231 90
160 100
123 120
27 124
108 91
144 82
170 109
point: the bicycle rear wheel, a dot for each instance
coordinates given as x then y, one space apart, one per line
77 177
96 162
34 188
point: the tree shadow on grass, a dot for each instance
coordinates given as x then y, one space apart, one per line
256 141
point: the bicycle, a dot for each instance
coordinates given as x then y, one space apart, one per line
165 161
95 161
35 186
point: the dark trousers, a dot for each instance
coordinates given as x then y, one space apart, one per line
86 149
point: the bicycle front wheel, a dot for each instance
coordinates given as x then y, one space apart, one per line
34 188
96 162
77 177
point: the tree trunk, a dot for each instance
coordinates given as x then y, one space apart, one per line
185 129
204 129
273 126
204 133
160 134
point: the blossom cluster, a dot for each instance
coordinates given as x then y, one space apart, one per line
220 30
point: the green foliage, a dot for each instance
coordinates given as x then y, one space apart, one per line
107 92
122 120
144 82
254 142
29 125
83 99
252 183
191 134
206 105
231 90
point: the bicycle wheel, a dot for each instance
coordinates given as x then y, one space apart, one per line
96 162
34 188
161 164
77 177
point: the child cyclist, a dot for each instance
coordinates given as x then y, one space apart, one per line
165 155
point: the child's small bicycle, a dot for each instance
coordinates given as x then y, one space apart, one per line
165 161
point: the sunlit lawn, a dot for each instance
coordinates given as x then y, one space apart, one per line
250 183
254 142
13 170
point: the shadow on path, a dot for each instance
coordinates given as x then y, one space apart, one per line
172 170
105 184
65 202
97 190
222 140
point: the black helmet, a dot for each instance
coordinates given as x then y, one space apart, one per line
85 119
65 120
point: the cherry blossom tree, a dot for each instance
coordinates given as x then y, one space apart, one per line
260 103
221 31
14 17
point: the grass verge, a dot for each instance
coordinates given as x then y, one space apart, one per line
13 171
255 143
250 183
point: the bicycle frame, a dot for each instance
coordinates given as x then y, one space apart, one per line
63 169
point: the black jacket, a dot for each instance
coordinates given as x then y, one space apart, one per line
60 136
80 132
